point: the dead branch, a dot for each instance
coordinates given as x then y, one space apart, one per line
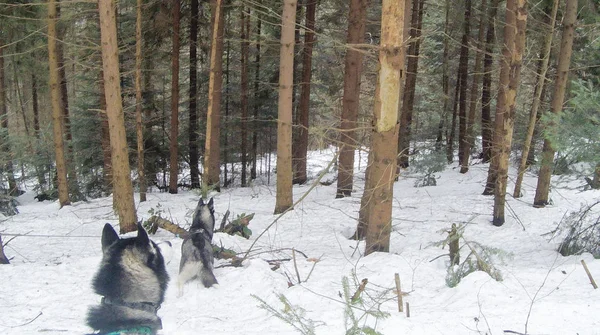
360 289
399 292
224 221
168 226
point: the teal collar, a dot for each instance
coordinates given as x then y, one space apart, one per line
135 330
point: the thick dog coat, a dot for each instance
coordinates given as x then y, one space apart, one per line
196 251
132 280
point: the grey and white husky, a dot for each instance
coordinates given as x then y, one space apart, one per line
132 280
197 257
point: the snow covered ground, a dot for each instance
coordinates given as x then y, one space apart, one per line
46 288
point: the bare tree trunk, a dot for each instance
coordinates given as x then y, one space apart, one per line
514 47
351 98
596 180
174 164
226 119
301 147
105 139
4 142
408 96
445 86
245 33
256 103
450 138
123 191
57 117
212 171
486 96
385 132
537 98
558 98
3 258
138 102
463 70
475 85
284 198
36 130
193 116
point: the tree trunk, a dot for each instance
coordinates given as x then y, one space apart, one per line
486 96
3 258
123 191
212 171
226 119
284 198
558 98
385 132
408 96
174 166
256 102
244 36
138 102
445 85
351 98
57 117
537 98
510 71
193 116
450 138
596 180
105 139
4 141
64 98
301 147
40 170
463 70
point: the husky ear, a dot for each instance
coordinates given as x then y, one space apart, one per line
142 238
211 205
200 202
109 236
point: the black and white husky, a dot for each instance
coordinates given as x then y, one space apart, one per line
132 280
196 251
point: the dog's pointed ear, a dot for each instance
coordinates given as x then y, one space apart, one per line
142 238
211 205
109 236
201 202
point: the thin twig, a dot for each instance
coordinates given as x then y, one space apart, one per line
296 266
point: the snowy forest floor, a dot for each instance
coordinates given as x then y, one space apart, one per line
47 287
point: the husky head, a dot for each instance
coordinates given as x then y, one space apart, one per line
204 217
132 280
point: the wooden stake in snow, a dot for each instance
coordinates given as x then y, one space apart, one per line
407 310
589 274
399 292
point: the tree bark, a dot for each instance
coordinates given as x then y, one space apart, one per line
193 113
174 165
301 147
244 36
408 96
385 131
284 198
445 85
514 45
3 258
350 101
486 96
105 138
138 102
40 170
537 98
211 176
57 118
463 71
450 138
256 102
4 141
123 191
558 98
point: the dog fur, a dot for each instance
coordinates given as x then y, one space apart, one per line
132 280
197 257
